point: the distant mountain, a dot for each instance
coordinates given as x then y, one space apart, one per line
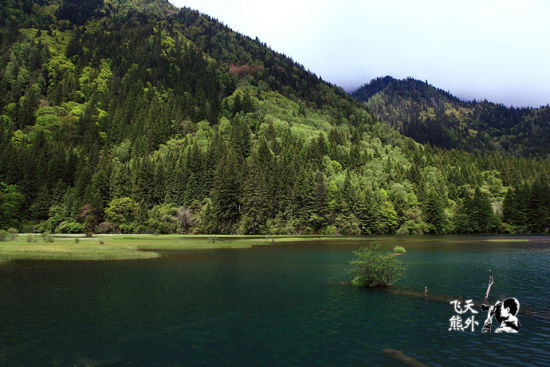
431 115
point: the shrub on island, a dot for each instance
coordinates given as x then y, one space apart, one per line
373 269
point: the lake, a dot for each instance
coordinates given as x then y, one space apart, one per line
283 305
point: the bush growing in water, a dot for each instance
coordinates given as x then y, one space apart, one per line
373 269
399 250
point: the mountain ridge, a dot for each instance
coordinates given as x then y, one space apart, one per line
432 115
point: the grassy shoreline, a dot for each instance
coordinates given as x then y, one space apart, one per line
147 246
128 247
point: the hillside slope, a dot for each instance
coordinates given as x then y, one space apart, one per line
135 116
431 115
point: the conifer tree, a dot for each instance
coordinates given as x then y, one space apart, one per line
226 193
255 201
434 210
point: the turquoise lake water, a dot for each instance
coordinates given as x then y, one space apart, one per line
284 305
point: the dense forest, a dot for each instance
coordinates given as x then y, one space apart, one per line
134 116
431 115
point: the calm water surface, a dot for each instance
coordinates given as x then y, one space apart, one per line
276 306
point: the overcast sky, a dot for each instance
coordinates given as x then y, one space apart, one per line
493 49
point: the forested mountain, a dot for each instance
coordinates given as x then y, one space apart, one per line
135 116
431 115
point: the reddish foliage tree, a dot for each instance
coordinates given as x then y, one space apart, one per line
246 69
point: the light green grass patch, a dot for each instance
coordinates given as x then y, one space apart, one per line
67 249
399 250
127 247
131 246
507 240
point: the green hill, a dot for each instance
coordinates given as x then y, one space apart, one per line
431 115
135 116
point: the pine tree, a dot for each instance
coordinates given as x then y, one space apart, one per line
302 199
237 104
319 203
386 221
434 209
366 209
254 199
226 193
538 207
510 210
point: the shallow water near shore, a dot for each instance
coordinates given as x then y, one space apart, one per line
278 305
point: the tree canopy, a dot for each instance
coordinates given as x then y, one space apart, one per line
135 116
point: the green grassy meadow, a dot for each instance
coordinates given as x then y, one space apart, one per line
124 247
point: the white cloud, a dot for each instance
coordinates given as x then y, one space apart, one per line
494 49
